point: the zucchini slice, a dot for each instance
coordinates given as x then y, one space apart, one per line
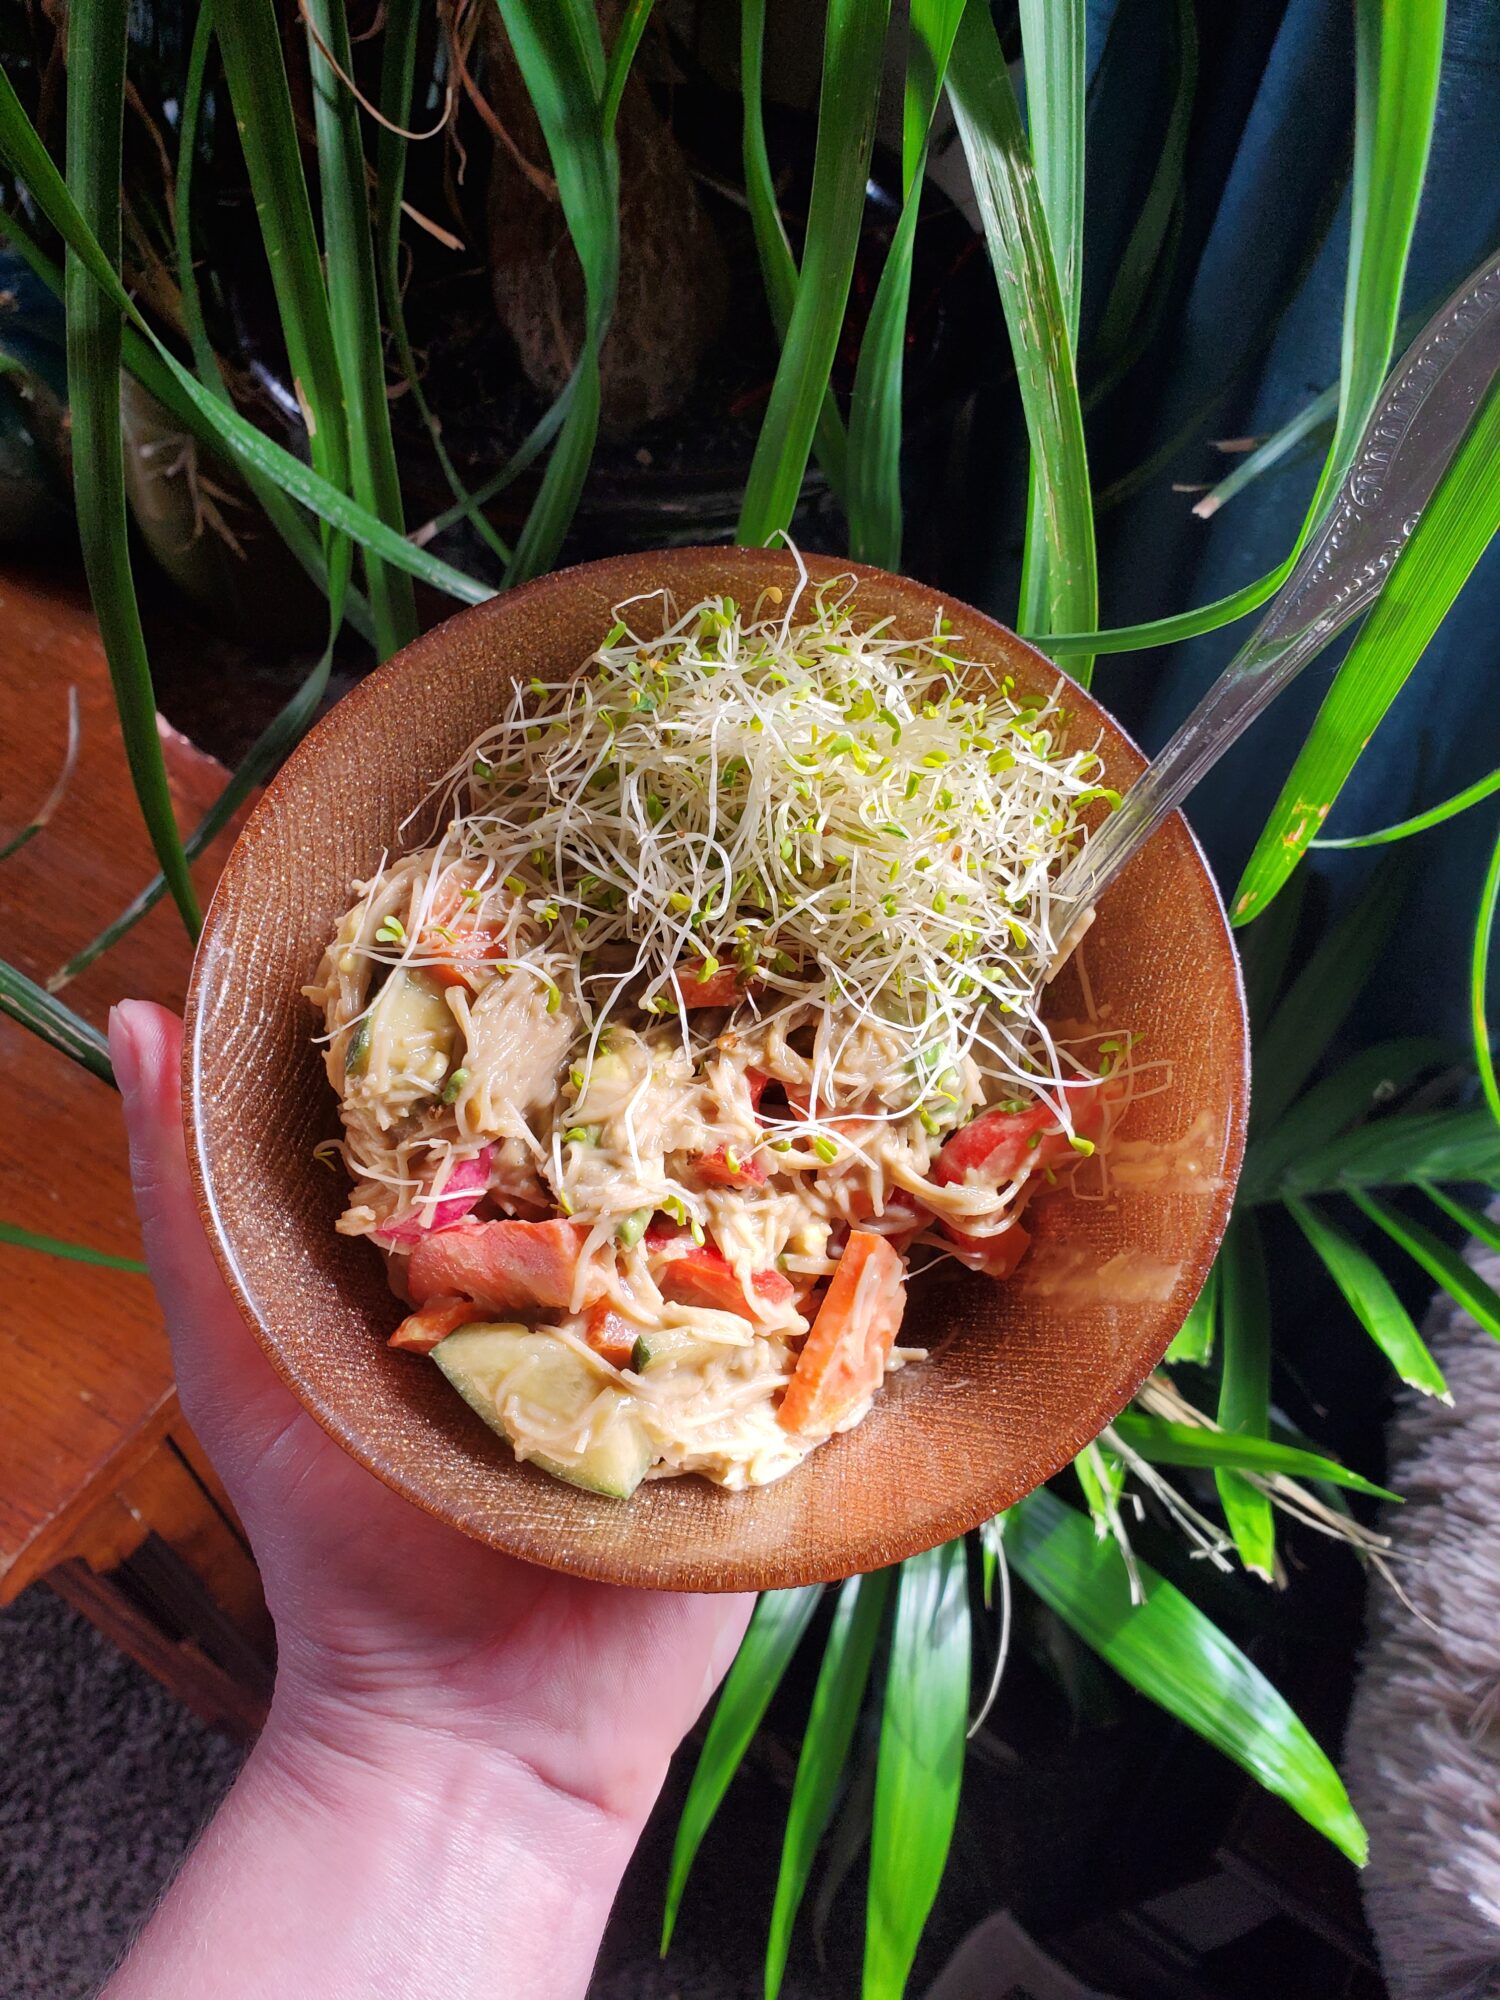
490 1365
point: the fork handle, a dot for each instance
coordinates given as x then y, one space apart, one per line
1423 413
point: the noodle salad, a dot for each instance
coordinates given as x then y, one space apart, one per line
713 1004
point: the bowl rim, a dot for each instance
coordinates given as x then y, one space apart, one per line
1082 1430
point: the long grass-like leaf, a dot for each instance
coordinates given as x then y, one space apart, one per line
1265 953
142 361
1372 1299
1176 1656
1399 56
874 495
1469 1219
923 1733
1457 526
54 1023
96 99
250 45
561 59
398 56
778 267
1354 1090
1444 1146
1127 310
59 788
149 367
1162 1442
280 735
837 1700
1020 251
1053 44
74 1253
776 1628
1194 1340
1471 795
1317 416
1319 999
1398 60
354 312
853 49
1245 1387
1479 975
248 447
1444 1266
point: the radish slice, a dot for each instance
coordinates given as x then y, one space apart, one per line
461 1191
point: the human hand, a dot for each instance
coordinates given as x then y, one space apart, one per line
403 1644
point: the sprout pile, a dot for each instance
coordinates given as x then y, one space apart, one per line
816 810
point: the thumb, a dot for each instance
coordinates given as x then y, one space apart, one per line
229 1391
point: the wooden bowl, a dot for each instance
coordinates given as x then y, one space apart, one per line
1026 1372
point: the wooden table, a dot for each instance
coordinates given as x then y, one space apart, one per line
105 1495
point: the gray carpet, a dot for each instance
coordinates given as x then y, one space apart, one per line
104 1780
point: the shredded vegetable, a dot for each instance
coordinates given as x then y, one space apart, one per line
720 947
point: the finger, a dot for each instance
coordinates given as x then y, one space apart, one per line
231 1394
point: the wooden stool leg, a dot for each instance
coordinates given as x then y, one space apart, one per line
113 1604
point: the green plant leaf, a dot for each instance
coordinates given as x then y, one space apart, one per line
1398 59
1020 250
1194 1340
66 1031
75 1253
398 55
59 788
250 46
1101 1480
1053 49
1177 1657
853 50
775 1630
1456 527
142 361
525 454
1479 971
778 267
1314 418
1161 1442
561 59
1146 258
1319 998
285 729
1444 1266
826 1742
1403 829
923 1734
1245 1387
354 312
1467 1218
1331 1107
1402 1151
991 1536
96 98
1265 953
249 448
874 460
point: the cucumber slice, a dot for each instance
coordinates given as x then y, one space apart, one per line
675 1344
488 1364
357 1054
408 1033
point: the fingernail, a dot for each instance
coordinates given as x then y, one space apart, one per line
124 1055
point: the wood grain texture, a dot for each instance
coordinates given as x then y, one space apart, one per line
86 1390
1028 1371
